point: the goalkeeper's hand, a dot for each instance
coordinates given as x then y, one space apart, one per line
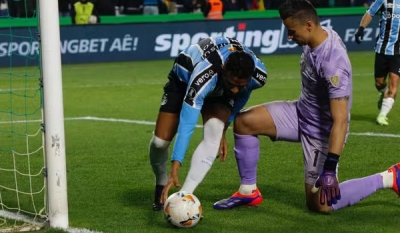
327 182
359 34
172 181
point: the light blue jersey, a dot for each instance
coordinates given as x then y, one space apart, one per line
198 66
388 41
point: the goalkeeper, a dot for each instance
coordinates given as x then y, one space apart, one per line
214 77
319 120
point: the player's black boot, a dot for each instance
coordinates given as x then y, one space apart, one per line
157 206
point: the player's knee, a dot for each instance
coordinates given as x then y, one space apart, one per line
213 129
159 143
380 84
241 123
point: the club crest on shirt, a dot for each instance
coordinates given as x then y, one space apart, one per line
335 80
232 48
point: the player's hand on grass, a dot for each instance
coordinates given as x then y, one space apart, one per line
223 148
172 181
328 185
327 182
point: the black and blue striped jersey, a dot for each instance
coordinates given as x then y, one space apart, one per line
198 66
389 24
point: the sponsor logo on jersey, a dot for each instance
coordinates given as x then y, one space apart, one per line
260 76
391 15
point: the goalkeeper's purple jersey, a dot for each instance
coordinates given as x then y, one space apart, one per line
326 74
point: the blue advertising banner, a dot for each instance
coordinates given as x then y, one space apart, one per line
153 41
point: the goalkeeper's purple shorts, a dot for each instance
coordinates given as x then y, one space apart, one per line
284 115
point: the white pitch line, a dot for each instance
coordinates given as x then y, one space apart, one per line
141 122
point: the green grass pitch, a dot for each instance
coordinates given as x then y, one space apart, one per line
110 182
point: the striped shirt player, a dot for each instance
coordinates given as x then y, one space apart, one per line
387 52
214 77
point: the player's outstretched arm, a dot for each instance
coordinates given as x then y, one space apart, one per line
365 21
187 122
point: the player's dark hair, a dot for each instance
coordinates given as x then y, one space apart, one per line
301 10
240 64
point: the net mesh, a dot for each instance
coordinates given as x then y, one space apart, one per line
22 186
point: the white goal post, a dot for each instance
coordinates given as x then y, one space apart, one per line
54 135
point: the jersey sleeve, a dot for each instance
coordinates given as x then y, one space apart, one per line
375 6
202 82
259 77
338 77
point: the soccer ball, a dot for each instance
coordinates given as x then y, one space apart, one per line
92 19
183 209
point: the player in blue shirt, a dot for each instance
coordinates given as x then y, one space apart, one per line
387 49
214 77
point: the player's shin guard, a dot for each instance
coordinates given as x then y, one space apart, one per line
353 191
158 154
247 152
204 155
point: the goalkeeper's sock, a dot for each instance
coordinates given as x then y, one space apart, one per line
204 155
247 152
387 178
387 105
158 154
247 189
353 191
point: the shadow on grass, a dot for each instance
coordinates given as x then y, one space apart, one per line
364 117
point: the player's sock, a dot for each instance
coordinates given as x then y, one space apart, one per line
353 191
387 178
247 189
247 152
158 154
204 155
387 105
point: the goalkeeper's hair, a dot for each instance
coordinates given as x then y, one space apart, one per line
301 10
240 64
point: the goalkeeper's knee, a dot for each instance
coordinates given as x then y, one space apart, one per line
159 143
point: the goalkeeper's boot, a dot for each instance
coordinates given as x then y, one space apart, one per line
395 169
238 199
382 120
157 206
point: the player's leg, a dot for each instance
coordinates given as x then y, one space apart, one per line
390 94
355 190
165 130
215 113
381 68
352 191
314 152
277 120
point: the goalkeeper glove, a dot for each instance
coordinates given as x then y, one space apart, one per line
328 182
359 34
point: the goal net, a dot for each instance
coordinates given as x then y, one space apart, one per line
25 169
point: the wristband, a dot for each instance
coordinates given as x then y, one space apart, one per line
331 162
361 29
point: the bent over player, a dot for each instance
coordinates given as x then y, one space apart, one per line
319 120
387 53
215 78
